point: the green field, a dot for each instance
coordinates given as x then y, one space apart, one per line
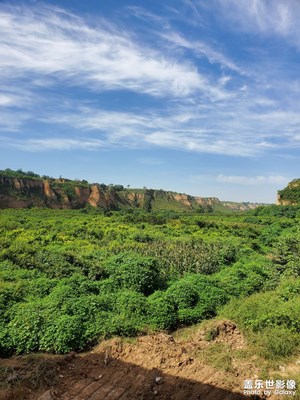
70 278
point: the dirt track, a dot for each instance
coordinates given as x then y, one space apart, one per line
120 381
152 367
78 379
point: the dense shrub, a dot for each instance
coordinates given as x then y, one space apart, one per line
69 279
134 272
62 334
26 326
131 305
184 294
120 325
162 312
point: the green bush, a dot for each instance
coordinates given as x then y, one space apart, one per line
289 289
120 325
265 310
162 312
184 294
54 264
26 326
40 287
10 294
131 304
134 272
63 334
188 316
6 345
245 277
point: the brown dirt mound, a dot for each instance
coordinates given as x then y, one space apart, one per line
227 332
149 367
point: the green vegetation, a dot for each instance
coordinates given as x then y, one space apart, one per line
69 278
291 193
19 174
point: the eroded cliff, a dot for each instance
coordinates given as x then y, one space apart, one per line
63 193
290 195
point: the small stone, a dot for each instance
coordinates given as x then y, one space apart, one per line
158 379
282 368
155 392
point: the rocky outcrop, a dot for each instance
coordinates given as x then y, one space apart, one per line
64 193
48 192
204 201
290 195
184 199
243 206
97 197
281 202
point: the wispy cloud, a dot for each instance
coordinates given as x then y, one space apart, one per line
202 49
187 127
48 144
11 96
253 180
6 100
225 110
263 16
43 41
12 121
233 130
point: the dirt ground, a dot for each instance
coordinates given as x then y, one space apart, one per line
149 367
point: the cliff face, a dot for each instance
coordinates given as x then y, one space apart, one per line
22 192
25 192
65 194
290 195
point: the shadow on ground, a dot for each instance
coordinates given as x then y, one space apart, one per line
98 377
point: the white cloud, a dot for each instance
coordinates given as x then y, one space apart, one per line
6 100
175 129
232 129
253 180
43 42
14 97
224 80
48 144
202 49
12 121
224 112
280 17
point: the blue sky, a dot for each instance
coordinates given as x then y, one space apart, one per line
201 97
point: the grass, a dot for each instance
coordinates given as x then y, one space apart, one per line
257 358
219 356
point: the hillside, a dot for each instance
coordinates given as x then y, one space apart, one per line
23 191
19 189
290 195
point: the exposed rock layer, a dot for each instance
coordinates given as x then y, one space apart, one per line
26 192
66 194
